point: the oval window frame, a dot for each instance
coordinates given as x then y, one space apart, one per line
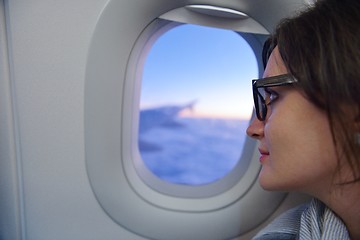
120 192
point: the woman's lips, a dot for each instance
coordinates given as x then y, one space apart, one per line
264 154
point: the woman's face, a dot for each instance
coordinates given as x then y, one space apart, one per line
295 141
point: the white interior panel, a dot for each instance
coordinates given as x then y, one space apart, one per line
66 164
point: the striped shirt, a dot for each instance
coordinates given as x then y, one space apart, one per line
312 221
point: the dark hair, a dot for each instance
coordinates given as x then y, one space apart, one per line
321 48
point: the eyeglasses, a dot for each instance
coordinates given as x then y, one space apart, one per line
259 91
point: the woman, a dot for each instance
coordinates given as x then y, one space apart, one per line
308 120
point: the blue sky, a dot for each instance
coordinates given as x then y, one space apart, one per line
212 66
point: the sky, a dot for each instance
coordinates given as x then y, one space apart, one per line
212 66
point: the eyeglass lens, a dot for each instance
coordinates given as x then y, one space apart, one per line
261 103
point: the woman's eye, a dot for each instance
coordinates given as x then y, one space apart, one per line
270 96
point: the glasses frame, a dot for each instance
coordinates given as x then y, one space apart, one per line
280 80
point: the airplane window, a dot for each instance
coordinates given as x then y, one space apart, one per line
195 103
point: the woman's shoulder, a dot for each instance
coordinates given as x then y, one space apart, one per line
313 220
284 227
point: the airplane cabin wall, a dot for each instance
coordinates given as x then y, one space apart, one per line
48 44
44 47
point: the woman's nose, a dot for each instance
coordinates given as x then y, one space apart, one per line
255 129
